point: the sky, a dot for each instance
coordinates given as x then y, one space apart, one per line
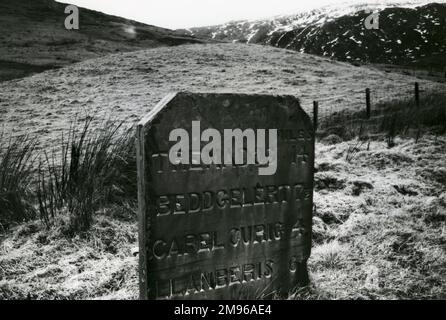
176 14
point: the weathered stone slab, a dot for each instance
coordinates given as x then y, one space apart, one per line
224 231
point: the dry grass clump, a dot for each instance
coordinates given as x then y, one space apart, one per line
330 255
85 192
91 170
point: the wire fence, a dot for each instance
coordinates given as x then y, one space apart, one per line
368 109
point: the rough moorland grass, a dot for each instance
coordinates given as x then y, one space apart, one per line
91 169
379 230
16 168
380 234
39 263
370 241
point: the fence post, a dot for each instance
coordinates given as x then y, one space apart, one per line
417 94
315 114
368 103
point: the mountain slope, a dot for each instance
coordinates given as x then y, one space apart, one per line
406 35
264 30
34 37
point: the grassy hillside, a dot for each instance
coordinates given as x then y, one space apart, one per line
34 37
127 85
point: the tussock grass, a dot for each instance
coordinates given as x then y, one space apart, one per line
16 171
330 255
90 170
